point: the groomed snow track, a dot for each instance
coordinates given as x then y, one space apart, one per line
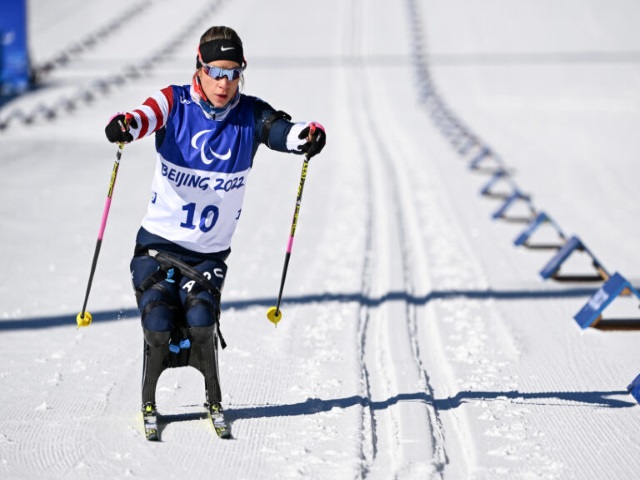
416 342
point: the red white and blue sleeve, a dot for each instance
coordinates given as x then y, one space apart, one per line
152 115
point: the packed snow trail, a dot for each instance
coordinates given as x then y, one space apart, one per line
405 436
513 351
416 342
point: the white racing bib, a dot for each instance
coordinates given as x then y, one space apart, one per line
201 174
196 209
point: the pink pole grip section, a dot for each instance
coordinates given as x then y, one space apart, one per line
290 245
105 214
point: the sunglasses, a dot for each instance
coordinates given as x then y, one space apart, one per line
218 73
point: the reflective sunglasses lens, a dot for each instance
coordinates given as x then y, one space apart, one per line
217 73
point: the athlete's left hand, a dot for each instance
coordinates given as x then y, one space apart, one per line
316 138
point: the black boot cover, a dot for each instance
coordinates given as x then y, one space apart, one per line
156 355
204 357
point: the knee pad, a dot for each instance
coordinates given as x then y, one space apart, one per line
201 312
158 308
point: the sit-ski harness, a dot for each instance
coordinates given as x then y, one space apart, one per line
167 263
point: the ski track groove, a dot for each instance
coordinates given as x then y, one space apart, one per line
368 436
426 256
368 342
401 210
464 325
369 442
379 325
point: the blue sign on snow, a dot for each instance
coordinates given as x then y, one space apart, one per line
634 388
497 176
532 227
511 199
592 310
14 56
574 243
485 152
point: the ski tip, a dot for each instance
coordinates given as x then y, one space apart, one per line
83 319
224 433
150 422
274 315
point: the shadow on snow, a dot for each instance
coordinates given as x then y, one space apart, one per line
130 313
315 405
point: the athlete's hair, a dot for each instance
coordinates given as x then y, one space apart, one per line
220 33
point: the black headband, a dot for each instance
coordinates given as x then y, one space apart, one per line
221 49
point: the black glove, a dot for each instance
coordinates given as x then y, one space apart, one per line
114 132
316 139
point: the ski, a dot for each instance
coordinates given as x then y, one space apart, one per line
149 415
220 424
216 414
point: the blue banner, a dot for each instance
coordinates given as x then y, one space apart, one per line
14 54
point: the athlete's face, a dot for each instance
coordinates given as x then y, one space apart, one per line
219 90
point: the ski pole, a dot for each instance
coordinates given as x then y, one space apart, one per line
84 318
274 314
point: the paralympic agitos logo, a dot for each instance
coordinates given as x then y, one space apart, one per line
203 152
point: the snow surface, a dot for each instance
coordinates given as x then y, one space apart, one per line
417 341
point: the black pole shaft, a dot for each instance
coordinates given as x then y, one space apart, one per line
294 224
93 271
284 276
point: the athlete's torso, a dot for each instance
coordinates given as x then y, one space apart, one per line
201 174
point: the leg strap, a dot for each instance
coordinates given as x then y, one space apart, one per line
168 263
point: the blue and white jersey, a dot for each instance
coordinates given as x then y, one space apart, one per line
201 170
202 166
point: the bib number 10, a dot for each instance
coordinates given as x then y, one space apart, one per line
208 217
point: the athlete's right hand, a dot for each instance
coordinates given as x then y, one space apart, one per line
114 131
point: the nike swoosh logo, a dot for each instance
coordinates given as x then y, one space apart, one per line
223 49
226 156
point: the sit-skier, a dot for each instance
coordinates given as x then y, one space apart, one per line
206 136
